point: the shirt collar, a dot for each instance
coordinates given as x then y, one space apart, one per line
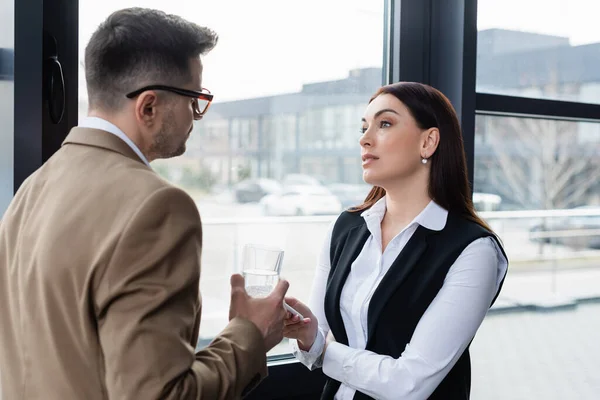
104 125
432 217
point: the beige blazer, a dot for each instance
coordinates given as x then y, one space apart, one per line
99 286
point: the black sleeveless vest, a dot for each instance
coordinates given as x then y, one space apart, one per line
404 293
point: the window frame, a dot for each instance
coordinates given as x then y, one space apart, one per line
515 106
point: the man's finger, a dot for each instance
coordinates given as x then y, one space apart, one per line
281 288
291 301
237 281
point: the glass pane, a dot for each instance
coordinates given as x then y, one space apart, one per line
7 95
543 176
545 50
289 96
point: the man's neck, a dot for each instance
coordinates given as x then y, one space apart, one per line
125 127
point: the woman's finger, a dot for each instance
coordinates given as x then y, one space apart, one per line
292 321
291 332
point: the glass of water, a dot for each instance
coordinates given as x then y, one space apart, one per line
260 267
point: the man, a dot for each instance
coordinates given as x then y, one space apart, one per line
100 257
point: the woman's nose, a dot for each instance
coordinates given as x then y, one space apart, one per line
365 139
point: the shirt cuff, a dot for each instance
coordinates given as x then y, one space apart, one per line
311 358
334 362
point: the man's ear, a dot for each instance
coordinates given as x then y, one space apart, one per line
145 107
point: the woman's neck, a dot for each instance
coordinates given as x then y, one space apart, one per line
404 202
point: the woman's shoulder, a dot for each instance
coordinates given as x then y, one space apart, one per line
347 220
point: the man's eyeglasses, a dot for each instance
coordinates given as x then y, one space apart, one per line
200 105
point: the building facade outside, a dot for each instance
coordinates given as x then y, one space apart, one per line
316 130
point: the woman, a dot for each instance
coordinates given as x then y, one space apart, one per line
405 279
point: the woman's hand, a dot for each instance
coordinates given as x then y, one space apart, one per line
303 330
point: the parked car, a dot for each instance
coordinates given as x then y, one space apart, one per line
349 195
573 231
301 180
486 201
252 190
301 200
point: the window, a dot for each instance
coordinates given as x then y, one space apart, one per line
549 50
538 164
545 181
536 169
6 103
286 90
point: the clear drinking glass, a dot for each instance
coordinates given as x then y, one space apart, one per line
261 266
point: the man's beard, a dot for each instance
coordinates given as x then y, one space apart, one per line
164 145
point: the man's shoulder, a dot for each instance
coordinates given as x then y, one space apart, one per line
132 177
119 182
147 187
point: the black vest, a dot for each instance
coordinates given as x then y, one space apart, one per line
404 293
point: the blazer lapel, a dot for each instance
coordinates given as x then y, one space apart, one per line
397 274
355 240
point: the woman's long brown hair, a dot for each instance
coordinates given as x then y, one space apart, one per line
448 180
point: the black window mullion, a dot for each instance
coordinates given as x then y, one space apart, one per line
493 104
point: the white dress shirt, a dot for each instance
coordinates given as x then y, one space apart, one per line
442 334
104 125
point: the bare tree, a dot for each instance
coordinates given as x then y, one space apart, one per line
540 163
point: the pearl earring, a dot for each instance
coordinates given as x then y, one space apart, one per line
424 161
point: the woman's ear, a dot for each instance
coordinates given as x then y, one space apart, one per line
431 140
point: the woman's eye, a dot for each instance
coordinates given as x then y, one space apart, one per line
363 130
384 124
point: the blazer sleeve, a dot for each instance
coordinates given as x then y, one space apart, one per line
148 312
